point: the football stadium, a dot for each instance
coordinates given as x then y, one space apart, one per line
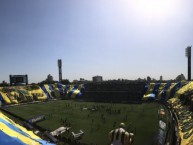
84 114
125 78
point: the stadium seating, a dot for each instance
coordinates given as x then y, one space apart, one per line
30 93
14 134
179 97
114 92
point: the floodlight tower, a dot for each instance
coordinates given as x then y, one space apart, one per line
188 54
60 69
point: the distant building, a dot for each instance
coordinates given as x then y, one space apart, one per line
161 78
82 79
50 78
97 79
75 81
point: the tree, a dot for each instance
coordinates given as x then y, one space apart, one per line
4 84
65 81
180 77
149 79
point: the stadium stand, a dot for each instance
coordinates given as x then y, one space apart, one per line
178 98
31 93
14 134
114 92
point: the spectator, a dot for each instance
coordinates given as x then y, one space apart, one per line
120 136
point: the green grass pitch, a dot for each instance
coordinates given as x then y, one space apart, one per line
97 123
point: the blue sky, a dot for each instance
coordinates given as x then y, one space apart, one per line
113 38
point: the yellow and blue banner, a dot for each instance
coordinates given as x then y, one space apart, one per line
14 134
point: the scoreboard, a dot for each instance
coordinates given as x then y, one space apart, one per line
18 80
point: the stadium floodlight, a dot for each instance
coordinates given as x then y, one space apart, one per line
60 69
188 51
188 54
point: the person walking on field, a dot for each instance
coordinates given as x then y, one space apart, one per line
120 136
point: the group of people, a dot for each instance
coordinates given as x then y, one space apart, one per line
187 99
